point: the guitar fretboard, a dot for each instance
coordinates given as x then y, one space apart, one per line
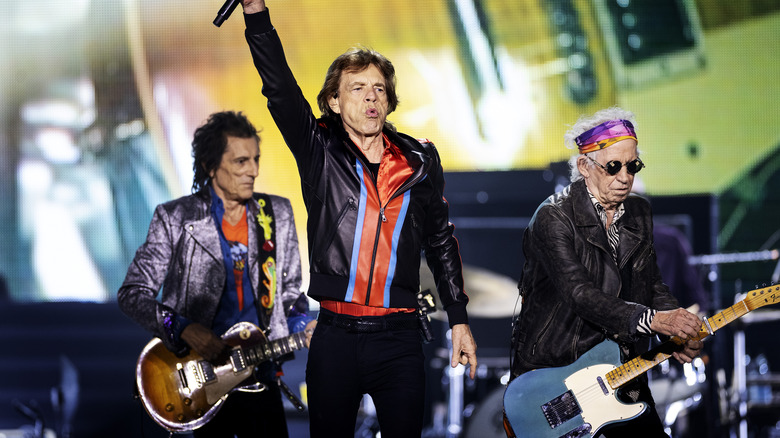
274 349
635 367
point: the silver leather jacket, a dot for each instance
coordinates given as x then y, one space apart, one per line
182 260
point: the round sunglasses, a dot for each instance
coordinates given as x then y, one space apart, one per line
614 166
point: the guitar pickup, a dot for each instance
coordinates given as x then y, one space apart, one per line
238 360
207 371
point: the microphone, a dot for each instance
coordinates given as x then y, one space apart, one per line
225 11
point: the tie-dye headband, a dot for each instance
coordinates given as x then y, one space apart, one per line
604 135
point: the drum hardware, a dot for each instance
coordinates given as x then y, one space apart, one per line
369 425
759 316
741 387
491 295
487 420
677 388
454 395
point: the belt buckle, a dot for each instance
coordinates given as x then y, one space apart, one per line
367 326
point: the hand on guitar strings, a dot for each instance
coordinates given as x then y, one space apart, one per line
205 342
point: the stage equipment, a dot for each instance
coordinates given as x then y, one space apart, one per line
580 398
491 295
184 393
742 383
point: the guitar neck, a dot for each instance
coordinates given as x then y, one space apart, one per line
638 365
275 349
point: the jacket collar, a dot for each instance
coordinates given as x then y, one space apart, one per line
587 220
419 158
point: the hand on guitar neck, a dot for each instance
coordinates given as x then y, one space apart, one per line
683 324
212 348
204 342
310 331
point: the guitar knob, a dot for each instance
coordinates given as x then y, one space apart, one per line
187 401
169 407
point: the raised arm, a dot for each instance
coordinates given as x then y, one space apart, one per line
253 6
290 110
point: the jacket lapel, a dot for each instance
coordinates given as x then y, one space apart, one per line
630 239
253 243
587 220
205 233
589 223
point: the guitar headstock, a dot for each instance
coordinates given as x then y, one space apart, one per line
761 297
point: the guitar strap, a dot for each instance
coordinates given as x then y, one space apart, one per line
267 255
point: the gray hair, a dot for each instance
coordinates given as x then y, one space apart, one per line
585 123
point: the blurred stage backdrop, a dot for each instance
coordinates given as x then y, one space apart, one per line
99 100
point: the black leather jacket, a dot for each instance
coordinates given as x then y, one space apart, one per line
574 294
327 163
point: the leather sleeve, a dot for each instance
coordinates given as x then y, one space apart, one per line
290 110
441 248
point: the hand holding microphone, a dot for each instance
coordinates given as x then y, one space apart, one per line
250 7
225 11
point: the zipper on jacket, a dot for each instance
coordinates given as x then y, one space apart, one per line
382 218
350 205
545 327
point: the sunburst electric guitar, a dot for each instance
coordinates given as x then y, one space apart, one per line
184 393
577 400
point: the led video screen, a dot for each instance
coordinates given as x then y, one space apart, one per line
99 101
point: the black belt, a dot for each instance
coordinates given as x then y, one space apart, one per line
369 324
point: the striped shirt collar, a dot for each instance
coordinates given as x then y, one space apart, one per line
603 211
613 236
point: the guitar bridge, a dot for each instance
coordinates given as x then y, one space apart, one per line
183 377
561 409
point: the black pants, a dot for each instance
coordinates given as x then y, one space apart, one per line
387 365
248 415
647 425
